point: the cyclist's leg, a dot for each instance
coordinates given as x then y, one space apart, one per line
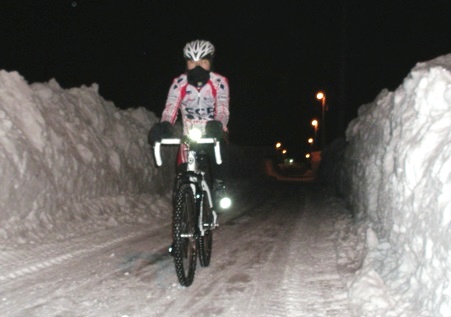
220 173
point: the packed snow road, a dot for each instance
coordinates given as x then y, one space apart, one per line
276 255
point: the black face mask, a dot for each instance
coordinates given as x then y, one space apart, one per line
198 76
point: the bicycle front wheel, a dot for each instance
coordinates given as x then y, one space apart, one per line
185 253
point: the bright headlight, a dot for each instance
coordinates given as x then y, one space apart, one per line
195 134
225 203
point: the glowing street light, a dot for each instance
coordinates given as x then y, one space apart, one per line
315 127
284 151
310 140
321 96
278 153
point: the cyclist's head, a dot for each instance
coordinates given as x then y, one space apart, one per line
198 50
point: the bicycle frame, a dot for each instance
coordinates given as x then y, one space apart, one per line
194 176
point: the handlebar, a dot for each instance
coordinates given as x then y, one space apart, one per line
157 146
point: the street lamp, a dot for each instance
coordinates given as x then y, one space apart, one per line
315 127
278 147
321 96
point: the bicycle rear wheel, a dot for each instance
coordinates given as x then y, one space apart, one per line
185 252
205 242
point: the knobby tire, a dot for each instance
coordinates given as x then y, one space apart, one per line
185 252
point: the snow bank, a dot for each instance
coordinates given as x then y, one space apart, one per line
69 155
398 160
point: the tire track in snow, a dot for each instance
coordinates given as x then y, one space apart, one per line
314 286
78 286
248 263
281 262
55 254
272 303
215 288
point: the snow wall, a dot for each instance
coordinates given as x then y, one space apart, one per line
396 176
59 148
70 158
68 155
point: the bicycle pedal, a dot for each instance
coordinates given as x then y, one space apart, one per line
210 226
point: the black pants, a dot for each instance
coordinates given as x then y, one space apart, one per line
220 171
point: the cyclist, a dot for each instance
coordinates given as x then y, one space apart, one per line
202 98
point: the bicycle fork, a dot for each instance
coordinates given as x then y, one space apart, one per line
207 226
200 188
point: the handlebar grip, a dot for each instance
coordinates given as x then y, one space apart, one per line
218 153
157 149
170 141
157 154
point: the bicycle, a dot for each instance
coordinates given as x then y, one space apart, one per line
194 215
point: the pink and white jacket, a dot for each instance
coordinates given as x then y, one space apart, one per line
197 107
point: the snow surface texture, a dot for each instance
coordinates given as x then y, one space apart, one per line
64 152
397 180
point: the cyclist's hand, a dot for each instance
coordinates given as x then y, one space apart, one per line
160 131
214 129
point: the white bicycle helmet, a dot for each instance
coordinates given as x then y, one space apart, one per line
197 50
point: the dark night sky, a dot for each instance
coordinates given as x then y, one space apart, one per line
277 55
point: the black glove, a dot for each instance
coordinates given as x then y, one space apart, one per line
160 131
214 129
